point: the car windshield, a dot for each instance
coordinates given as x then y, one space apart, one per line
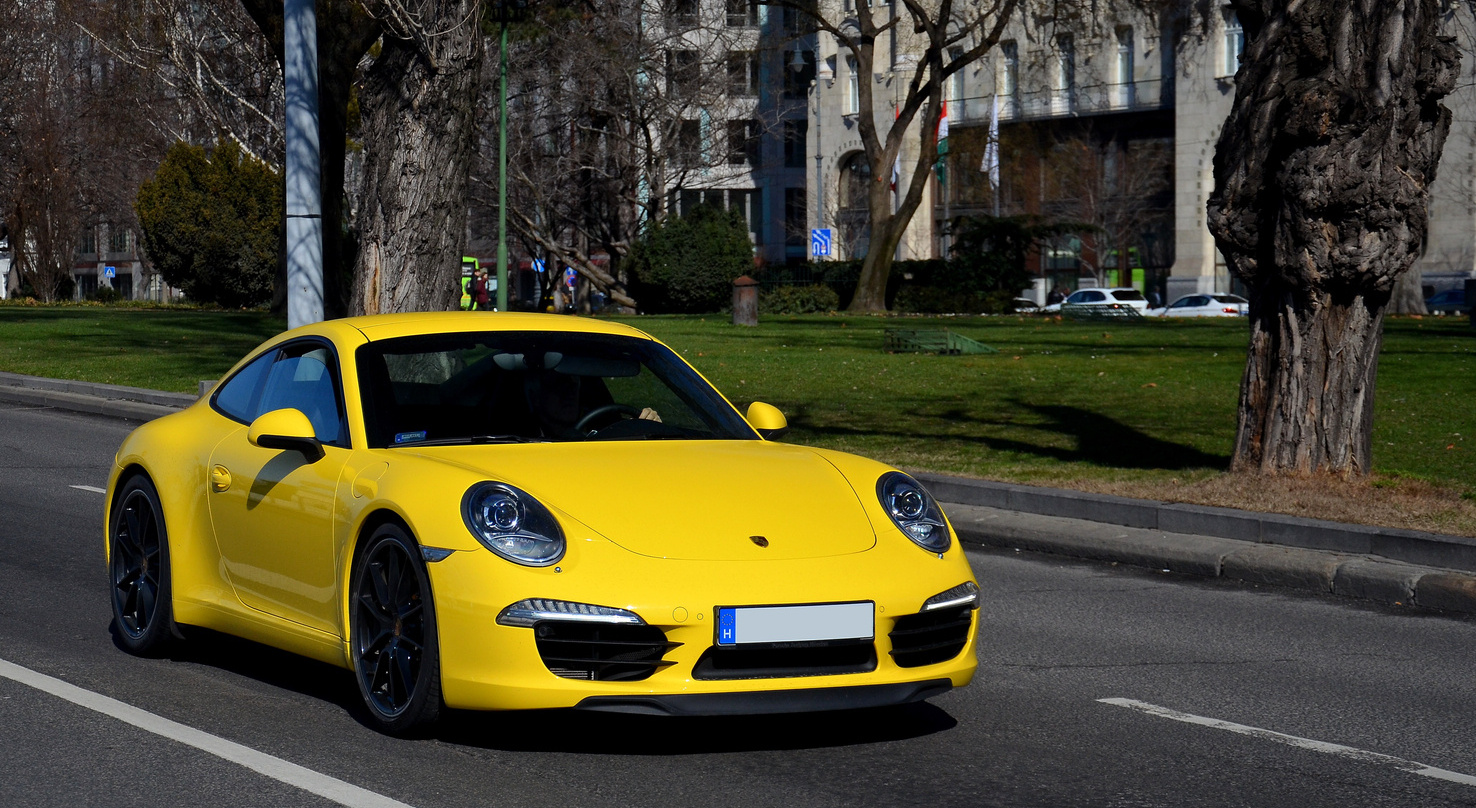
1230 299
518 387
1127 294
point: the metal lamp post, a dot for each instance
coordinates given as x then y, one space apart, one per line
304 180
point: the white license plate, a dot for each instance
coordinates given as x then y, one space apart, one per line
741 625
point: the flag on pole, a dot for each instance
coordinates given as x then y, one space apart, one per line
991 147
943 128
896 164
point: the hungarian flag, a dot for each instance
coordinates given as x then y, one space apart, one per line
943 129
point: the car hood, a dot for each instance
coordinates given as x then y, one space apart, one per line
698 500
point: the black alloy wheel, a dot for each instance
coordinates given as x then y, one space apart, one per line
139 566
393 625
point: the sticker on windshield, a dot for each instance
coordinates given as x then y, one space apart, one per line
409 437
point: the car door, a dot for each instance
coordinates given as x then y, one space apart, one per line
272 509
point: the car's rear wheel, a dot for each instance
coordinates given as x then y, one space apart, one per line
393 625
143 613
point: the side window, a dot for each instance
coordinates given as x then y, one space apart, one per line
1093 297
239 396
304 378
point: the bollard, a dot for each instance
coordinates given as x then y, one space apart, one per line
206 385
745 301
1471 297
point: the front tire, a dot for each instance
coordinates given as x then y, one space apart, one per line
392 623
143 611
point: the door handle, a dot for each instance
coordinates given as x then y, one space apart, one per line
220 479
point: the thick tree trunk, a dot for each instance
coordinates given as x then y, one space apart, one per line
1322 179
419 107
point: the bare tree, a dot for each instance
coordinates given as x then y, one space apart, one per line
614 113
1117 189
944 37
69 119
1322 179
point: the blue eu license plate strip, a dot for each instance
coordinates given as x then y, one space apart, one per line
740 625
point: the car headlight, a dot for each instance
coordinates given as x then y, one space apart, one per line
512 524
913 510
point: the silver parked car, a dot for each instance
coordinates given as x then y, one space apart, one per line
1125 296
1205 305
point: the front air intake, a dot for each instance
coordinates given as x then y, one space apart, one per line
930 637
601 652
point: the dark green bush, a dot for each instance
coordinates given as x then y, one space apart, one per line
212 223
814 299
107 294
687 265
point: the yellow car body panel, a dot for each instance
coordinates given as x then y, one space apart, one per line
664 529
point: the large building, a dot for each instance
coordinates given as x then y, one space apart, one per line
1111 121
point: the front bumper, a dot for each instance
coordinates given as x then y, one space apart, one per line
487 666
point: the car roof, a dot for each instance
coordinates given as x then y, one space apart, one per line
389 326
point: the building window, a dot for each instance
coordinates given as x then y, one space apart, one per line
683 71
1007 80
1124 77
799 71
795 232
689 142
743 143
853 86
747 202
742 12
684 12
743 73
118 240
88 243
955 81
1063 74
1234 42
799 18
796 133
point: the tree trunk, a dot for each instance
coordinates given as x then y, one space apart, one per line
419 107
1322 178
1409 294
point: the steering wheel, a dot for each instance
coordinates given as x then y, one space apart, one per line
624 409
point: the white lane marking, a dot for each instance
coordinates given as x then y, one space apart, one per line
329 788
94 489
1349 752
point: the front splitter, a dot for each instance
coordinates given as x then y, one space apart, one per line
811 700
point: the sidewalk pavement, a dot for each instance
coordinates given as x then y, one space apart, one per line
1387 565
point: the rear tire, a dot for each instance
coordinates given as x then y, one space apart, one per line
392 626
143 609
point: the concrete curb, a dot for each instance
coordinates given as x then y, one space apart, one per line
1409 546
1355 576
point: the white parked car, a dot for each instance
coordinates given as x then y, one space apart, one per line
1206 305
1120 297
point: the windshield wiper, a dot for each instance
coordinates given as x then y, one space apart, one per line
470 441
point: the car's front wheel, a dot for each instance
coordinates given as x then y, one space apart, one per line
143 613
393 625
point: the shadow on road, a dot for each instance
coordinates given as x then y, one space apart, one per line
571 730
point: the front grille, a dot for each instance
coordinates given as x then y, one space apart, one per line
599 652
930 637
785 660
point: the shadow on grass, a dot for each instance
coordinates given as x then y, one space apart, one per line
1100 440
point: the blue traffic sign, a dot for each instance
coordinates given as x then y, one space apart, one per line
538 265
820 242
110 272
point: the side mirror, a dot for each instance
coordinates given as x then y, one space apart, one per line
286 429
767 420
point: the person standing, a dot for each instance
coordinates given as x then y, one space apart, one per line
479 290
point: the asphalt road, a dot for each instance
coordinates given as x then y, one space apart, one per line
1370 694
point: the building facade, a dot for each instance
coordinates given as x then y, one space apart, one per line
1108 120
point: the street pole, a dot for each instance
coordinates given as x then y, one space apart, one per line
304 182
502 173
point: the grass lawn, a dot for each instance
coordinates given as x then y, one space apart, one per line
1140 409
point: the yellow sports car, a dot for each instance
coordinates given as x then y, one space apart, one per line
512 511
